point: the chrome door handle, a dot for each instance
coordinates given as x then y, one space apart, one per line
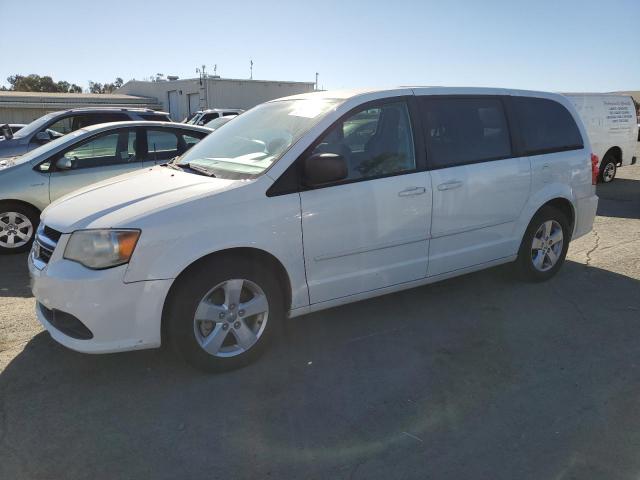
412 191
450 185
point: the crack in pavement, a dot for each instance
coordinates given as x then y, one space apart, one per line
592 251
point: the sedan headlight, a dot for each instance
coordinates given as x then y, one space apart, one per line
99 249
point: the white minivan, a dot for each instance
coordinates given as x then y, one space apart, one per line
309 202
611 124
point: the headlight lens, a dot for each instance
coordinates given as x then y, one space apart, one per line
98 249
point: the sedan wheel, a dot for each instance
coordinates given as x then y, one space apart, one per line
16 230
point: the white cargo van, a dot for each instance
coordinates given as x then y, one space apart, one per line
612 127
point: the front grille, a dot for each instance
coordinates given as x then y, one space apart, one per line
66 323
45 244
52 234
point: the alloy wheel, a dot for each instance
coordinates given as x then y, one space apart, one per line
547 244
16 229
231 317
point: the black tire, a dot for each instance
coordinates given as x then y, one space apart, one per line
33 216
525 262
194 285
608 168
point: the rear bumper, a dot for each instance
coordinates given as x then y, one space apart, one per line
586 209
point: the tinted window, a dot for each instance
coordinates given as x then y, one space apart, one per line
162 144
207 117
155 117
191 139
75 122
546 126
227 114
465 130
104 150
374 141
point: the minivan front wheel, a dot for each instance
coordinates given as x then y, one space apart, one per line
223 314
18 224
544 246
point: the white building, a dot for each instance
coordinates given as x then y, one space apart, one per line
182 97
23 107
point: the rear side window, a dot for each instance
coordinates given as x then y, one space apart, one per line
546 126
465 130
162 144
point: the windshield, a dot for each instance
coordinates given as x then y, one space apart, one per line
50 146
35 126
256 139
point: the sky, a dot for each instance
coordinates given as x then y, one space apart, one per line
560 45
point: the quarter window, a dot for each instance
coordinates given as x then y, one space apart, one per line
546 126
465 130
375 141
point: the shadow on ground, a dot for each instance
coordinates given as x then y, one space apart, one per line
14 278
476 377
620 198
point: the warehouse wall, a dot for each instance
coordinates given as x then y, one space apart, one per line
223 92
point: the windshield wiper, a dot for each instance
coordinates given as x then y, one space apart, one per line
187 166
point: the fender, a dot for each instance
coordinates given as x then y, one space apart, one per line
549 192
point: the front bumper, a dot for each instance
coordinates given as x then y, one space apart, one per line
121 316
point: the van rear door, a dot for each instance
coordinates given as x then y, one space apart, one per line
479 186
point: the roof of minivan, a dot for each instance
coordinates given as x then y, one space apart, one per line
436 90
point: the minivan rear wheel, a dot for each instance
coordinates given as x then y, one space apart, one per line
608 169
18 224
544 245
223 313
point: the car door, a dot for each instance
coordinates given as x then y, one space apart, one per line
104 155
479 185
369 231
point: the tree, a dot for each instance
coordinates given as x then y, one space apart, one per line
36 83
95 87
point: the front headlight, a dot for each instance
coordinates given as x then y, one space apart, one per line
98 249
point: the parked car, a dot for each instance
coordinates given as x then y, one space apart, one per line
30 182
202 117
612 127
57 124
218 122
274 215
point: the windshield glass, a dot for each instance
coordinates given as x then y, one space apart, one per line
34 126
50 146
256 139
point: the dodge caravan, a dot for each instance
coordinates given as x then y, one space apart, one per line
309 202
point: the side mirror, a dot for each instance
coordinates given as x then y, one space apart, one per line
322 168
43 137
5 131
64 163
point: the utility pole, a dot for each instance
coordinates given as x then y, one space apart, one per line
251 69
317 80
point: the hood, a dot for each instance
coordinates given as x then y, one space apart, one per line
120 200
8 162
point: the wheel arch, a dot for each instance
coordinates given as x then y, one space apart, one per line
20 202
616 152
255 254
563 205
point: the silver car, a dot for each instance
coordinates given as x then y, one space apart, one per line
30 182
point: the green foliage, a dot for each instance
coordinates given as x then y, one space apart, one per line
36 83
